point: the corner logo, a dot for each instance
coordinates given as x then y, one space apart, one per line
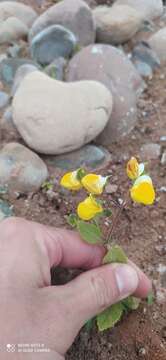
10 348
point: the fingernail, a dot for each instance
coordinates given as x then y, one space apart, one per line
127 280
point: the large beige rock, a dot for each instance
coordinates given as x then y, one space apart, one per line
149 9
158 44
74 15
116 24
55 117
14 9
12 29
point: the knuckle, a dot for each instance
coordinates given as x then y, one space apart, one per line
103 293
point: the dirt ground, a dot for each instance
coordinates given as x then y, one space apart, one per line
141 334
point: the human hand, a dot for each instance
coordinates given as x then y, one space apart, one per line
32 311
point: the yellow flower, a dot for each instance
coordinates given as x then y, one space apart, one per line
94 184
70 181
134 169
143 190
89 208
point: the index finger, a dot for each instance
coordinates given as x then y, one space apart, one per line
67 249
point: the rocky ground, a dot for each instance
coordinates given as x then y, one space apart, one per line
135 126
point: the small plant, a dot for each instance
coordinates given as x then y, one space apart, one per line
47 185
53 73
92 210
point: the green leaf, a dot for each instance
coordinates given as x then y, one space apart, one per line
131 303
80 174
109 317
53 73
150 298
89 232
115 255
77 48
107 212
47 185
72 220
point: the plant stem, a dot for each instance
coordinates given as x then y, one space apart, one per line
115 220
96 223
115 203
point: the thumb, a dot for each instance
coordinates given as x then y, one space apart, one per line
66 308
95 290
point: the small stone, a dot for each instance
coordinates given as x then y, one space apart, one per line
7 126
8 68
161 249
145 114
14 51
162 76
163 158
3 190
161 268
21 169
111 188
116 24
8 115
144 69
158 43
163 138
12 29
56 69
148 9
53 42
62 117
142 52
20 11
163 189
89 156
3 57
21 72
5 210
163 332
74 15
51 195
150 151
142 351
120 201
4 99
161 296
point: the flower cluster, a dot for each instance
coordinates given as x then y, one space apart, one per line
93 184
142 190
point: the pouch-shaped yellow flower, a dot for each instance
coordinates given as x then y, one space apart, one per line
94 184
134 169
143 190
89 208
70 181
